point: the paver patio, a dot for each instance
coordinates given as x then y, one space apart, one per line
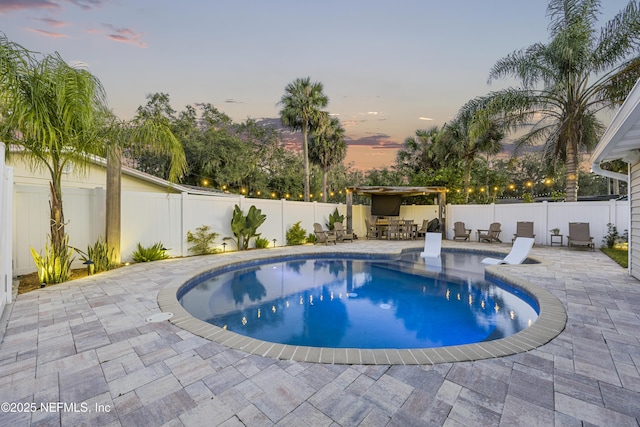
86 343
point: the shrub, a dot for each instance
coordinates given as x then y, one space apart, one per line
54 267
296 235
99 255
203 241
152 253
261 242
245 227
333 218
612 236
312 238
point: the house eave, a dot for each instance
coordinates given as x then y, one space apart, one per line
621 140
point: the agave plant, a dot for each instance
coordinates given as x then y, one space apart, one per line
98 257
153 253
55 265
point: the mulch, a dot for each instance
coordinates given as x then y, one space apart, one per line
30 282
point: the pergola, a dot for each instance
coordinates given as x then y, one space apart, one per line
397 191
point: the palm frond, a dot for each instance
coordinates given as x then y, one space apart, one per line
618 39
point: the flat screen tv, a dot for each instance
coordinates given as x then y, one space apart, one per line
385 205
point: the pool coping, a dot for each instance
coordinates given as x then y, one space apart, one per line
550 322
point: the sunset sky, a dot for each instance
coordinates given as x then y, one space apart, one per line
389 68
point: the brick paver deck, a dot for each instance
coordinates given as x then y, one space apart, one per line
84 349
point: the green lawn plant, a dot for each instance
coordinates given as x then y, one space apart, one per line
619 254
202 241
153 253
55 265
100 256
312 238
244 227
296 235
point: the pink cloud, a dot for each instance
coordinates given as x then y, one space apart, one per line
87 4
52 22
47 33
14 5
125 35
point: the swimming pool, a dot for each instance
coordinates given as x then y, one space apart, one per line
551 320
365 302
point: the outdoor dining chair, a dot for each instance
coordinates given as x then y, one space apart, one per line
372 231
393 229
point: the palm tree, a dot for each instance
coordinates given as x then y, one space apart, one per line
327 147
147 131
420 151
301 103
50 110
472 132
567 81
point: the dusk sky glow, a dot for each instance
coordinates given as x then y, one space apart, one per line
389 68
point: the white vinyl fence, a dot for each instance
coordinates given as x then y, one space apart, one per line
545 216
149 217
6 197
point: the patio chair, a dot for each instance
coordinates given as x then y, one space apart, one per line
372 231
460 231
393 229
323 236
406 229
341 234
523 229
423 229
519 252
579 235
432 245
491 235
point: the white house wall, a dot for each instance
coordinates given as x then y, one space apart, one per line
634 234
93 176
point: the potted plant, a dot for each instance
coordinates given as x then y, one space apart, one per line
555 231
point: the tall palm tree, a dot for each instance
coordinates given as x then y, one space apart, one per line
50 110
301 105
150 132
472 132
566 82
327 146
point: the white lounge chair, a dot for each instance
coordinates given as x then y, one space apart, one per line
519 252
432 245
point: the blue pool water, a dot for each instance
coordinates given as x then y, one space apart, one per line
400 302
